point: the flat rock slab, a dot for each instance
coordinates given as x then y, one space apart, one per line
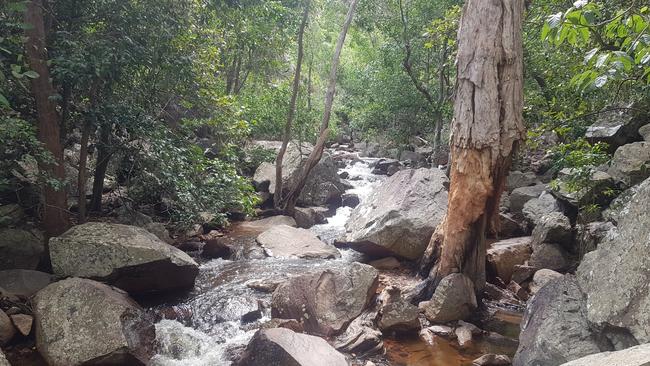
128 257
259 226
504 255
284 241
281 346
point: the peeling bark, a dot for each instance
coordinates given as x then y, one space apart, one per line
486 130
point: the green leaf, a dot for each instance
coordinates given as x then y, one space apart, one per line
600 81
31 74
4 102
590 55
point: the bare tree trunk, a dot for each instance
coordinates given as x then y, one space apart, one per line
104 154
81 179
277 196
317 153
487 128
56 218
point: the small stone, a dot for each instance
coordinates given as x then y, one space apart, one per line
549 256
217 248
23 323
492 360
522 273
541 277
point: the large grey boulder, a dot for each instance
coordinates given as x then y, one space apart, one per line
81 321
400 215
397 313
551 256
554 227
536 208
20 249
517 179
616 127
633 356
283 241
128 257
23 282
281 346
504 255
644 131
554 328
322 186
616 276
454 299
521 195
631 163
326 300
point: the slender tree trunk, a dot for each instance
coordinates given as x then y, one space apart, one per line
82 178
104 153
277 196
56 218
487 128
317 152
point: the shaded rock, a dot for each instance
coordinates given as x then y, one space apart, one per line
503 255
361 337
325 300
521 195
128 216
555 328
128 257
20 249
397 314
519 291
192 245
500 295
386 166
7 330
350 200
492 360
284 241
411 156
23 282
219 247
631 163
305 217
160 231
522 273
454 299
633 356
553 227
322 186
536 208
644 131
388 263
517 179
11 214
508 226
400 215
291 324
280 346
71 314
541 278
590 235
23 323
616 276
550 256
615 127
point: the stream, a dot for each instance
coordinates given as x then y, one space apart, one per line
231 300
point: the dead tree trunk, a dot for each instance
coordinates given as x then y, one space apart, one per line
277 196
486 130
56 218
317 153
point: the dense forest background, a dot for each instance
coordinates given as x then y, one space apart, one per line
163 96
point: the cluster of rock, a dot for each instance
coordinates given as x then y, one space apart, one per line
96 268
604 307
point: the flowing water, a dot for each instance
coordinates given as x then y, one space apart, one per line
231 300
